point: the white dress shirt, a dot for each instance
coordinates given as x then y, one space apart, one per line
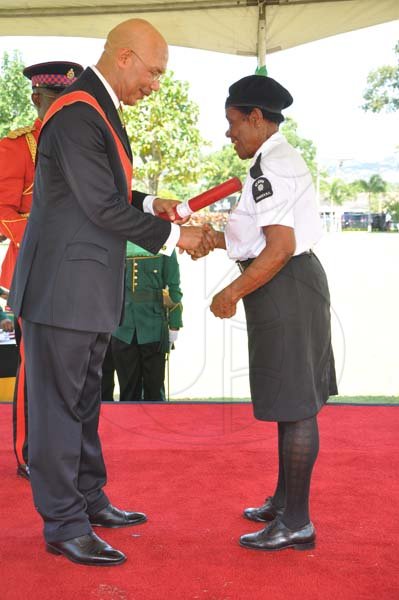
282 194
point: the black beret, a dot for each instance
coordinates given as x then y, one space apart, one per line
55 75
261 92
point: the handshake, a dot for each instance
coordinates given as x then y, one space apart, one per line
199 241
196 241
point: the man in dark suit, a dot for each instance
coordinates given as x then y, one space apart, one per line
69 280
17 165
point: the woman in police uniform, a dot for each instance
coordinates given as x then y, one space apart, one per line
270 234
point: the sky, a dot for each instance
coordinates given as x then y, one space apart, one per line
326 78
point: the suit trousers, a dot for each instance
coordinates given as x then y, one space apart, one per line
108 376
63 374
140 369
20 404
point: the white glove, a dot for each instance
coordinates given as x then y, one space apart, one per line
173 335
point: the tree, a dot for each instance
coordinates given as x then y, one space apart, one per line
338 191
222 165
15 106
304 146
382 92
373 187
163 131
391 204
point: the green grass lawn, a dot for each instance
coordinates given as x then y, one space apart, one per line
364 400
333 400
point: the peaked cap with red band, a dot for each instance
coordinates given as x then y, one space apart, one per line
56 75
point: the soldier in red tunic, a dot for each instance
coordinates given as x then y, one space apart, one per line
17 163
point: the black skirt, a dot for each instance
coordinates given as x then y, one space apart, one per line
291 362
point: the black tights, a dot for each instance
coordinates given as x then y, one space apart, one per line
298 446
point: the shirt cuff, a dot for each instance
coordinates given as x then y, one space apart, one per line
147 204
172 240
173 335
174 235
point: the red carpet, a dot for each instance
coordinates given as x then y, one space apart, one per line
193 468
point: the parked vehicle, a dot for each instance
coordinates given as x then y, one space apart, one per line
355 220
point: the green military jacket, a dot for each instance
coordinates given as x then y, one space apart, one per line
146 313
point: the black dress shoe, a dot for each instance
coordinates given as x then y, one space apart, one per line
266 512
277 536
23 471
110 516
88 550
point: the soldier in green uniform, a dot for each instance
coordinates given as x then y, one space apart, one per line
152 318
6 320
6 316
3 292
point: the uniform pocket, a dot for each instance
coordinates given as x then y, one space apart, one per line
87 251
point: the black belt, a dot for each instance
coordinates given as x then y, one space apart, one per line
244 264
148 296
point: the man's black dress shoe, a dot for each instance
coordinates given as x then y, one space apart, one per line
277 536
110 516
88 550
266 512
23 471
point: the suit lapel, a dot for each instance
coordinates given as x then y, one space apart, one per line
89 82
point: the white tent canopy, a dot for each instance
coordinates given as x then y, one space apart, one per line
244 27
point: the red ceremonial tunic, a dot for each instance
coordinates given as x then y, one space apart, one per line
17 168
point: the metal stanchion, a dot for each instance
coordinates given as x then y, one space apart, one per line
167 376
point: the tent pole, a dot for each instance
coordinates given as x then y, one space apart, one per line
261 68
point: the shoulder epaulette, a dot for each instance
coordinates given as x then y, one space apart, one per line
256 170
15 133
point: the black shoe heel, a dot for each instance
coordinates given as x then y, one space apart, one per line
308 546
52 550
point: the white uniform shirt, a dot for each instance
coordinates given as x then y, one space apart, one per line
278 190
